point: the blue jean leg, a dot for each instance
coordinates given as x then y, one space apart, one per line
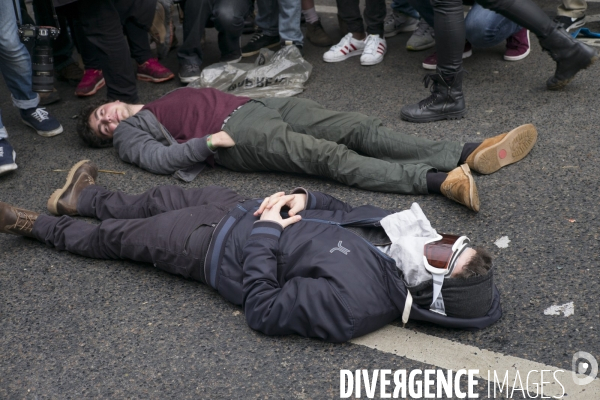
403 7
15 62
486 28
280 17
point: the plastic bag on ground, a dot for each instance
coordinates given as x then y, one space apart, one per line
273 74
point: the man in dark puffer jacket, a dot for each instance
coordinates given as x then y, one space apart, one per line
320 269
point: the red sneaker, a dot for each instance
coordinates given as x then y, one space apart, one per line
153 71
91 82
517 46
431 61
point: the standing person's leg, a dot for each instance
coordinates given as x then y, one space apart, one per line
15 66
290 12
315 32
403 18
267 19
196 15
570 55
446 100
149 68
7 153
229 16
375 45
353 43
103 27
571 14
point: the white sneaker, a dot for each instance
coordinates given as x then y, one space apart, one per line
346 48
375 49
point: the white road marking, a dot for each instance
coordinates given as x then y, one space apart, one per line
567 309
451 355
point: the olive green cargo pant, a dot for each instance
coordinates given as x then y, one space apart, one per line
300 136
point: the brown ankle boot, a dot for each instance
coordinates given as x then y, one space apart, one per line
64 201
16 221
502 150
460 187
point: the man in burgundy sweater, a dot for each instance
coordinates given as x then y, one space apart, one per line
188 128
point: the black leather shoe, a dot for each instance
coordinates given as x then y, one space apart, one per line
445 102
570 54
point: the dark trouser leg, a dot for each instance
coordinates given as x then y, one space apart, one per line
196 15
349 11
229 18
102 24
98 202
449 25
175 241
374 15
139 45
395 163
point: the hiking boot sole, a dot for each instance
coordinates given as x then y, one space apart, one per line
98 86
440 117
473 194
253 52
51 133
53 200
557 85
512 148
148 78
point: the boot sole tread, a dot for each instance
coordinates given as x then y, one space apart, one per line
516 145
53 200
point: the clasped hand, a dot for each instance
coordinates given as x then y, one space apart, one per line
271 206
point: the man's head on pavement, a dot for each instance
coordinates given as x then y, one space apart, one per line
98 121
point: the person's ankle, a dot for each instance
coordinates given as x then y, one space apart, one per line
359 35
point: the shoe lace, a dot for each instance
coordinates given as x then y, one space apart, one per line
40 114
343 43
191 68
422 28
24 222
255 37
430 82
371 44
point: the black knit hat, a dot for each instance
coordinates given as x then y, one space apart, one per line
463 297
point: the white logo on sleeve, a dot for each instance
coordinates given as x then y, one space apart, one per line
340 248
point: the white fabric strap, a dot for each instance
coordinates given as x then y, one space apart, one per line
407 307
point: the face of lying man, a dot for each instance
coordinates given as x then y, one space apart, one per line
104 119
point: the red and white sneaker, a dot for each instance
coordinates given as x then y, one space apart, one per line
517 46
431 61
153 71
346 48
375 49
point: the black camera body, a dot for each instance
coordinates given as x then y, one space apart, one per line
42 58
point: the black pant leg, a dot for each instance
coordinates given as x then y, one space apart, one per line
349 11
374 14
229 18
450 34
139 45
102 25
101 203
196 14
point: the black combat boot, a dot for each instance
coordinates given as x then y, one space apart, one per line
570 54
445 102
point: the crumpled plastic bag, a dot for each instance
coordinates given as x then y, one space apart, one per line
273 74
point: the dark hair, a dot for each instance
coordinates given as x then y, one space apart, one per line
84 130
478 265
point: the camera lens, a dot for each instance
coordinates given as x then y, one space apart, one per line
43 66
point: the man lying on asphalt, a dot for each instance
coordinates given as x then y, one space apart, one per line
186 128
320 269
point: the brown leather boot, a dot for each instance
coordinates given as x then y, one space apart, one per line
460 187
502 150
16 221
64 201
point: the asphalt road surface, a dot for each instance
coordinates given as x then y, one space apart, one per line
73 328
